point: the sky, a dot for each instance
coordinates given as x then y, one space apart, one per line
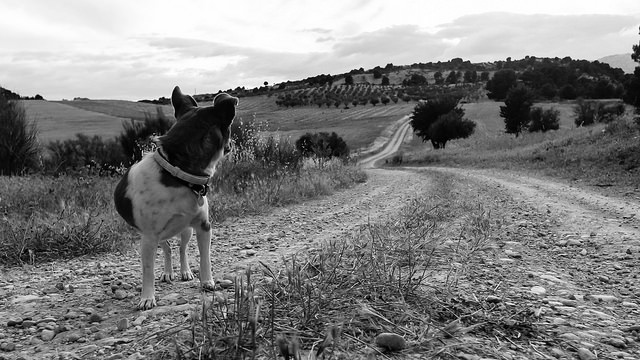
141 49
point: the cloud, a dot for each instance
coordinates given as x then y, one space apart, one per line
493 36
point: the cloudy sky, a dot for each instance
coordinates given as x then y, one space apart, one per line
123 49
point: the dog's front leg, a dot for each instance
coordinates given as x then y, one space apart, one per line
167 275
203 234
185 271
148 249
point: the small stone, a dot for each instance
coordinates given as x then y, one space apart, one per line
226 283
570 337
71 288
629 304
248 246
95 318
583 252
46 320
47 335
585 354
123 324
601 298
139 320
7 346
538 290
60 286
14 322
251 252
120 294
391 341
28 323
616 342
557 353
493 299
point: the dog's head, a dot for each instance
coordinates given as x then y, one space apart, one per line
200 136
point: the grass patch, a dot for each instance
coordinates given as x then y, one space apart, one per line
399 275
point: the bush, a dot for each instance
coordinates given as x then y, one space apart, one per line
591 112
135 136
98 156
322 145
19 148
543 120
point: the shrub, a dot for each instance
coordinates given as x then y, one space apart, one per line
499 85
591 112
98 156
135 136
544 120
450 126
322 145
19 148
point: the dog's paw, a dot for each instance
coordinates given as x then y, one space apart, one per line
208 285
146 304
186 275
164 277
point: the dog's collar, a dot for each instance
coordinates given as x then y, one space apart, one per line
198 184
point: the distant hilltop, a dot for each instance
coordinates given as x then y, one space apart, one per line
622 61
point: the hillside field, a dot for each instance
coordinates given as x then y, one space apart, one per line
359 126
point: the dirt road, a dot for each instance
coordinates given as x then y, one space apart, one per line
567 255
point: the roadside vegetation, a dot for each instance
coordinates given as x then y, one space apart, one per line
399 275
56 202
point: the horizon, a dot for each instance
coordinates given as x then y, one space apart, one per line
136 51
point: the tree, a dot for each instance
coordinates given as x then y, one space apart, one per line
516 110
385 80
437 77
484 76
18 138
452 78
499 85
385 100
348 80
439 120
470 76
374 101
544 119
415 80
450 126
377 72
632 82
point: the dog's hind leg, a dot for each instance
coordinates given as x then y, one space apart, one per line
149 247
203 234
167 275
185 271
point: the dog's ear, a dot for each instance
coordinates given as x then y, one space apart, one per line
224 106
181 102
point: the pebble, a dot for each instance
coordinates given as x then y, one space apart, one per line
95 318
120 294
557 353
391 341
47 335
139 320
585 354
493 299
226 283
123 324
7 346
601 298
616 342
539 290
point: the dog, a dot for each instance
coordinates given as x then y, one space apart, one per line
164 194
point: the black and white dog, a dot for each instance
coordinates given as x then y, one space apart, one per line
164 194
